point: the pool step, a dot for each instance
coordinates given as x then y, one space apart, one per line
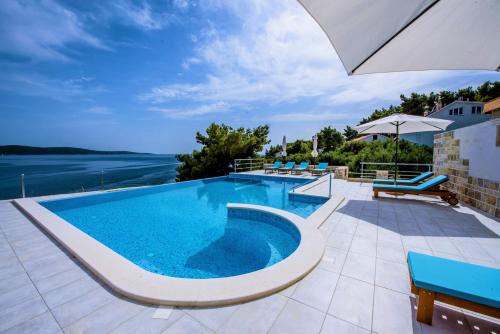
318 217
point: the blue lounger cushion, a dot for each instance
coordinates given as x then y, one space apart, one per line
289 165
303 166
423 186
416 179
321 167
276 165
462 280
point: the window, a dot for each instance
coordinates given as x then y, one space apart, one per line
478 109
461 111
375 137
473 110
455 111
451 112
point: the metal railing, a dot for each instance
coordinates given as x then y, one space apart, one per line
23 184
329 175
246 165
23 188
369 170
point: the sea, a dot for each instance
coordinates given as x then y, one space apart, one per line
58 174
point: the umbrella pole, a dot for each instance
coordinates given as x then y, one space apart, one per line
396 162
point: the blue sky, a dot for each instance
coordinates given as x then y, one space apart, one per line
146 75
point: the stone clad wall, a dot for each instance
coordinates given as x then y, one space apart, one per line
475 191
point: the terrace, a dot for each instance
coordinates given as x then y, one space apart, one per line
361 284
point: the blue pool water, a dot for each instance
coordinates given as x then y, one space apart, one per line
183 229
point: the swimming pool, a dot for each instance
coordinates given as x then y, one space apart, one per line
183 230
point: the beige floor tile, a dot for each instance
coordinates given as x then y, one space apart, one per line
316 289
345 226
353 301
360 266
366 230
255 317
391 251
334 325
144 323
393 313
77 308
106 318
340 240
22 312
442 245
41 324
393 275
362 245
298 318
212 317
186 325
333 259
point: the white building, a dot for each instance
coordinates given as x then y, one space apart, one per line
462 113
372 137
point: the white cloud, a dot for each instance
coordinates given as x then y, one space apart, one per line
62 90
186 64
218 107
181 4
141 15
41 30
309 116
280 55
98 110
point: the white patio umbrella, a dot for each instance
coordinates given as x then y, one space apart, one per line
400 124
283 147
314 152
407 35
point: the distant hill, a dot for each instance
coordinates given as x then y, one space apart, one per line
31 150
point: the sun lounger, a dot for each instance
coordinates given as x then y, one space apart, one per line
415 180
303 166
288 167
429 187
321 169
468 286
277 164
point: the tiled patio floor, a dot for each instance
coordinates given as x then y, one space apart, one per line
360 286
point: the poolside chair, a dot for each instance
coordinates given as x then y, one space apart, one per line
321 169
274 167
429 187
288 167
461 284
302 167
415 180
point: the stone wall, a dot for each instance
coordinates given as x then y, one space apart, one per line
475 186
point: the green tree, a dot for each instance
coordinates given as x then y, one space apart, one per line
350 133
329 139
487 91
351 154
299 146
220 146
415 103
381 114
447 97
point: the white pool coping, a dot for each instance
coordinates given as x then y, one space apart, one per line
130 280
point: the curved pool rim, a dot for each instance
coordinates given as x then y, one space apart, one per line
130 280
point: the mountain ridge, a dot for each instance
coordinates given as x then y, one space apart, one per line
35 150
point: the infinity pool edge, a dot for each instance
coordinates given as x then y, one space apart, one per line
130 280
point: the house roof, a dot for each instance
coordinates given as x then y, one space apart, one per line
452 105
492 105
366 136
